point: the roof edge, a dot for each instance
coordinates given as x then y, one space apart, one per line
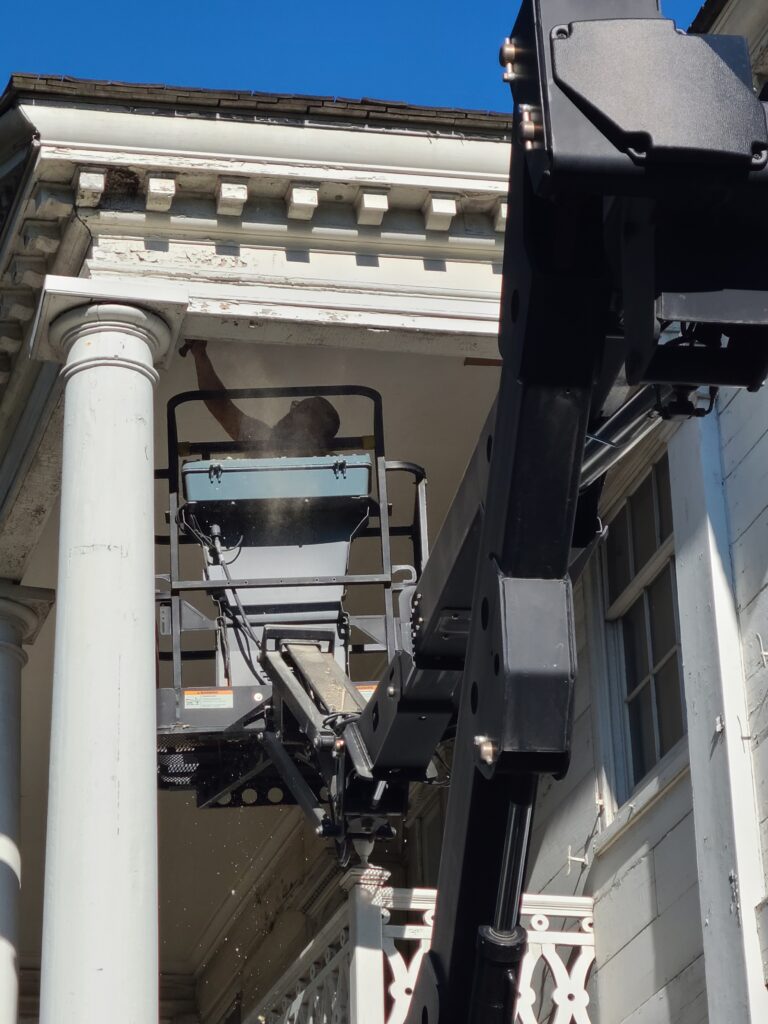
288 106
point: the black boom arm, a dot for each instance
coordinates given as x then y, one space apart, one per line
638 200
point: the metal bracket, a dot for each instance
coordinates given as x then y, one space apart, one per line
570 859
191 619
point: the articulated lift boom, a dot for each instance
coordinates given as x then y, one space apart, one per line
635 276
637 205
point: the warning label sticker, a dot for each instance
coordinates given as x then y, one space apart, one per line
214 697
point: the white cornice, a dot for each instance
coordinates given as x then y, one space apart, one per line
333 228
362 155
232 165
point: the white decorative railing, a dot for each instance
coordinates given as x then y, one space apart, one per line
361 967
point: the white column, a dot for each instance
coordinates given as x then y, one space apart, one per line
100 955
18 621
731 882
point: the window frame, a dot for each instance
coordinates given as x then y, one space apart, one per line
639 588
611 724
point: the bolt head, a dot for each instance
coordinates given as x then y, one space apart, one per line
487 749
507 52
507 56
390 691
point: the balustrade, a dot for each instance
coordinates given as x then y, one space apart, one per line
362 965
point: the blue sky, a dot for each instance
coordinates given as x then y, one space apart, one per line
420 51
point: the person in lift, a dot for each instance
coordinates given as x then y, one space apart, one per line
311 424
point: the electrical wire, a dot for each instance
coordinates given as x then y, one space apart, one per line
337 720
224 642
245 624
241 638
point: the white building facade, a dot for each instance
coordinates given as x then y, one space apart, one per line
314 241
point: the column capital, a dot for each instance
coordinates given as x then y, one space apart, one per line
109 334
70 308
27 607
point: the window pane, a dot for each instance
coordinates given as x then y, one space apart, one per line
641 734
635 644
664 498
661 608
669 706
617 556
643 523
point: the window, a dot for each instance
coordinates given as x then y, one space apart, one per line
642 609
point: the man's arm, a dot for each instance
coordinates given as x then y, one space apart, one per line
239 426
